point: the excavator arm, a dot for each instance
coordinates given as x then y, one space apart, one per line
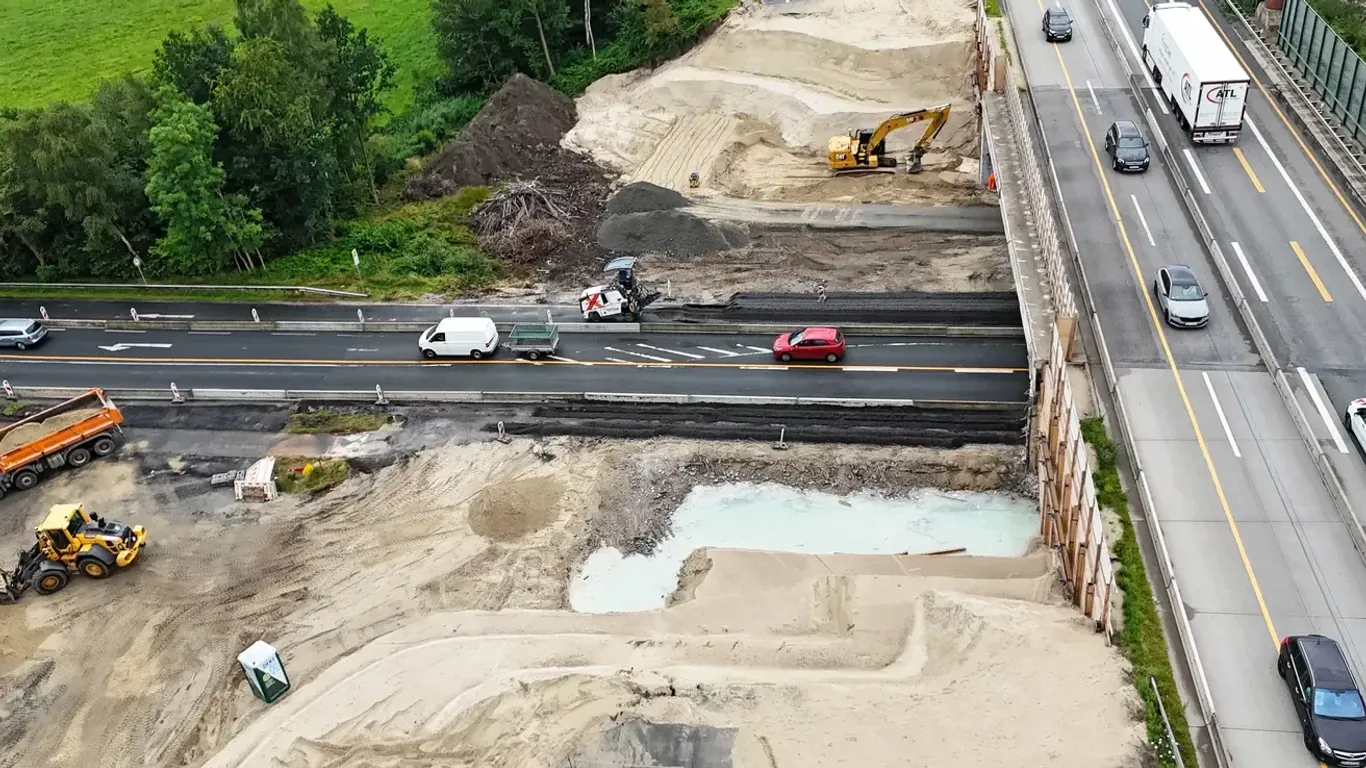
863 149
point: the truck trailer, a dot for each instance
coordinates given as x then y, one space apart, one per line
1196 72
68 434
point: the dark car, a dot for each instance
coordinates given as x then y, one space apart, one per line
810 344
1126 146
1057 25
1326 699
1180 298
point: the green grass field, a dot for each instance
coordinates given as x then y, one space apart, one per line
61 49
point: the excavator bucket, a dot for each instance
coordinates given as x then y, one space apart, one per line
10 590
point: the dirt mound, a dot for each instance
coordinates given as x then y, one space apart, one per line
642 197
510 136
509 512
670 232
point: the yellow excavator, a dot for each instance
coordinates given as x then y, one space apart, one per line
863 149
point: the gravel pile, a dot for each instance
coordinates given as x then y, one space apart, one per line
642 196
670 232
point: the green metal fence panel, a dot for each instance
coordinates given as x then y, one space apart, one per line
1335 71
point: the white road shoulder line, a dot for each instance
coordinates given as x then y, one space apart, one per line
1332 246
1256 284
1323 410
119 330
1195 168
1219 409
638 354
672 352
1144 220
983 370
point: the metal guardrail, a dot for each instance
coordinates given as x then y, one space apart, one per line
1004 332
379 396
176 287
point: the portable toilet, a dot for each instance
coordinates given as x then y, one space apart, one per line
265 671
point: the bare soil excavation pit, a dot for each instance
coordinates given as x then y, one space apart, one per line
752 108
834 645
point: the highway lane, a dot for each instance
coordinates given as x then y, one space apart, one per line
1251 531
315 311
631 348
859 382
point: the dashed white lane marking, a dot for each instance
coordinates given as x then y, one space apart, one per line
861 369
1219 409
291 333
353 349
720 351
1195 167
1247 267
1323 410
617 360
210 333
763 367
756 349
638 354
671 351
120 330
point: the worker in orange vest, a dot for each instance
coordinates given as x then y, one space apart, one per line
991 181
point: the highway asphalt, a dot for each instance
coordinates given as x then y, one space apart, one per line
1256 544
989 370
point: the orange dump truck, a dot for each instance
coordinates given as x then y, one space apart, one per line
69 434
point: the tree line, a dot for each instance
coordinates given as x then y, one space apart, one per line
245 145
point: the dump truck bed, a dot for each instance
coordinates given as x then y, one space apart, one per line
56 429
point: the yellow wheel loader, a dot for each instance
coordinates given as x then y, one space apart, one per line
864 150
70 540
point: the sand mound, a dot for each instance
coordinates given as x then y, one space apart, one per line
643 196
892 667
515 509
27 433
789 76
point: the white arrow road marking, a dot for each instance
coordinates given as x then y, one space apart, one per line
638 354
720 351
166 317
672 351
122 347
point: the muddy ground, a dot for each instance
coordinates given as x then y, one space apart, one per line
140 670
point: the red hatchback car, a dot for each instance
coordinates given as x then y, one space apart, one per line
810 344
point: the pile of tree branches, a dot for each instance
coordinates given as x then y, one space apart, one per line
524 222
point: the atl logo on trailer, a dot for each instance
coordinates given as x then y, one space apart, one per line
1216 96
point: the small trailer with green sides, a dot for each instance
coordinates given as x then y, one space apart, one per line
533 339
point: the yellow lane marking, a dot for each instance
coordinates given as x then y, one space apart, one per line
440 362
1248 167
1167 353
1286 122
1304 260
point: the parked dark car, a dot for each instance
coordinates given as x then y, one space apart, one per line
1326 699
1057 25
1126 146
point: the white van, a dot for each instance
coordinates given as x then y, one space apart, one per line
460 336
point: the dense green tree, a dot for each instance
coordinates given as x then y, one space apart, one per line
482 42
192 61
281 153
356 72
206 230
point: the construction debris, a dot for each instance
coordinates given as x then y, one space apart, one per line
515 203
642 196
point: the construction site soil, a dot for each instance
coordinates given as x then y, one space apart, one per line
457 558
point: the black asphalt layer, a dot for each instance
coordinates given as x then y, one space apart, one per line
886 368
340 348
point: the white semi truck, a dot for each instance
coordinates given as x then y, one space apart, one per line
1195 71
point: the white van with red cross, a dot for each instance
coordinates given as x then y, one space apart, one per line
621 298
